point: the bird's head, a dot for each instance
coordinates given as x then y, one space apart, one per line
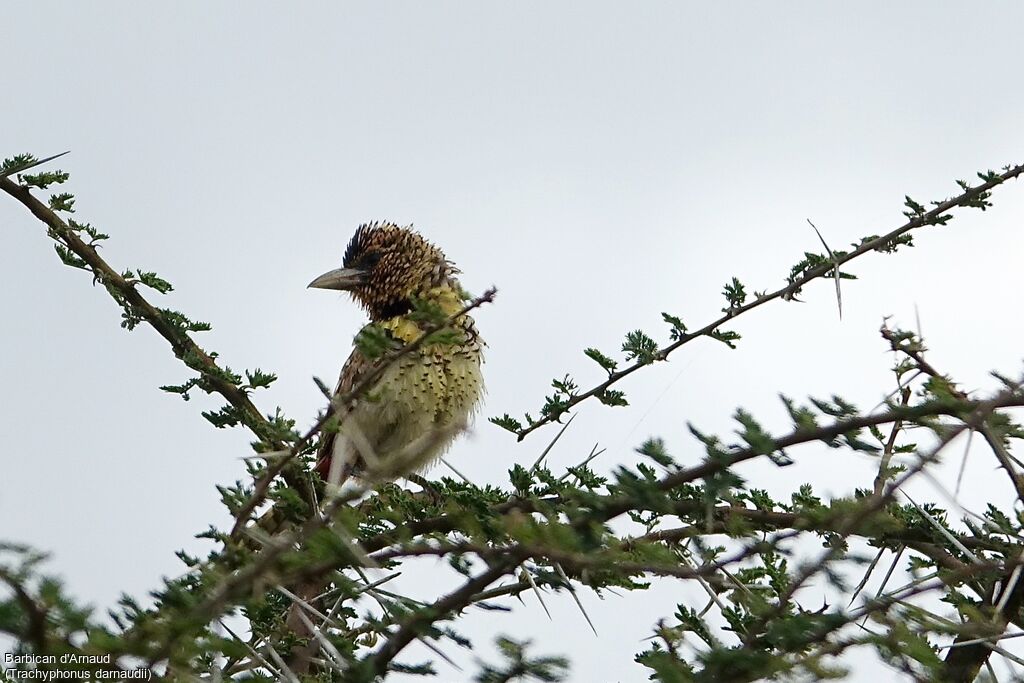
385 266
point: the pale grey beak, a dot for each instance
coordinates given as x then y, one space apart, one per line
344 279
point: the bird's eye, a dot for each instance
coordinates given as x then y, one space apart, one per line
370 259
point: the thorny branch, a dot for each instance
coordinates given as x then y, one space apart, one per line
183 346
282 561
965 659
422 619
607 508
877 502
932 217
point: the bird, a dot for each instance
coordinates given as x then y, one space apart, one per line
412 413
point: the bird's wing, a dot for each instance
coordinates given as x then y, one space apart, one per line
352 373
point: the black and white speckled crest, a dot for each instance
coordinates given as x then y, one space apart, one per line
357 245
399 264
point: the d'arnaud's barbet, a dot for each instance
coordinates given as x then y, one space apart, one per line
410 416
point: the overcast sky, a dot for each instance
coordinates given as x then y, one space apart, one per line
598 162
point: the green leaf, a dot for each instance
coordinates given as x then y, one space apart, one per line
44 180
520 479
427 311
916 210
69 258
63 202
16 162
678 330
507 422
152 281
612 397
735 294
374 341
227 416
182 389
655 450
257 379
725 336
756 438
640 347
604 361
183 322
93 233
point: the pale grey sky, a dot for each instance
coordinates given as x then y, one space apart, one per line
598 162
